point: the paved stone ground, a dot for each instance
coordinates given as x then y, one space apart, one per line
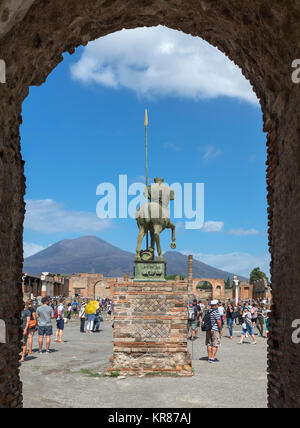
55 380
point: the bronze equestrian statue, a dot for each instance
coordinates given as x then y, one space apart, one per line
154 217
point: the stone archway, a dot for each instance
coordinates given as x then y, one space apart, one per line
261 37
217 288
202 289
102 290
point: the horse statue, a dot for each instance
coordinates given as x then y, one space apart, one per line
154 217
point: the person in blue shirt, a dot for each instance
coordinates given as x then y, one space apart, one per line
75 309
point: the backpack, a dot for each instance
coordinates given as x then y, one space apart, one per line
191 314
56 313
206 323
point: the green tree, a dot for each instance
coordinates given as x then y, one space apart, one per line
204 285
257 274
227 283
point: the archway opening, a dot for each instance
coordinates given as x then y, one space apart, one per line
42 41
208 290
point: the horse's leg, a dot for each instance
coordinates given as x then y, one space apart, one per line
152 239
157 230
172 227
142 232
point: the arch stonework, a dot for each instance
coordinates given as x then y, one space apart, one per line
103 289
262 37
86 283
217 292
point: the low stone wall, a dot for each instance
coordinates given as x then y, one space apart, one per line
150 328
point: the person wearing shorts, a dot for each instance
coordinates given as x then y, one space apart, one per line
214 334
60 323
32 325
44 315
247 326
75 309
25 317
192 321
213 339
198 316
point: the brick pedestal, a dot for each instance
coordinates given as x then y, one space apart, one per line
150 328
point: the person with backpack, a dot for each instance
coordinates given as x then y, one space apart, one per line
212 325
75 309
192 320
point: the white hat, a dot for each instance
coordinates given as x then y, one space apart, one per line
214 302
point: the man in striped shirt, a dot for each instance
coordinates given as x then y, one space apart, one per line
214 334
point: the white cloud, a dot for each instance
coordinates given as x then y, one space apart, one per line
212 226
160 61
239 263
29 249
210 152
242 232
48 216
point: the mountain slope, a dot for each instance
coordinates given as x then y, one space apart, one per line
94 255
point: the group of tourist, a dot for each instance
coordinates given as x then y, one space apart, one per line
212 316
94 319
38 314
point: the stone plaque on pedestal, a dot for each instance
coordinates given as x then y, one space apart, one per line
150 328
153 270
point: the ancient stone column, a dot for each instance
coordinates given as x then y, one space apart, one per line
190 268
190 275
44 289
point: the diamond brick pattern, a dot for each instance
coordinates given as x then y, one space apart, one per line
150 305
151 331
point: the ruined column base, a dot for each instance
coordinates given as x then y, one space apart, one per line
150 329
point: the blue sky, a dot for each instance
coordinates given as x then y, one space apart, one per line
85 126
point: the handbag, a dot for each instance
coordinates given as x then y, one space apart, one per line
32 324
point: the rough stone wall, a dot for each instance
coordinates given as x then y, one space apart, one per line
262 37
90 285
150 328
246 291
